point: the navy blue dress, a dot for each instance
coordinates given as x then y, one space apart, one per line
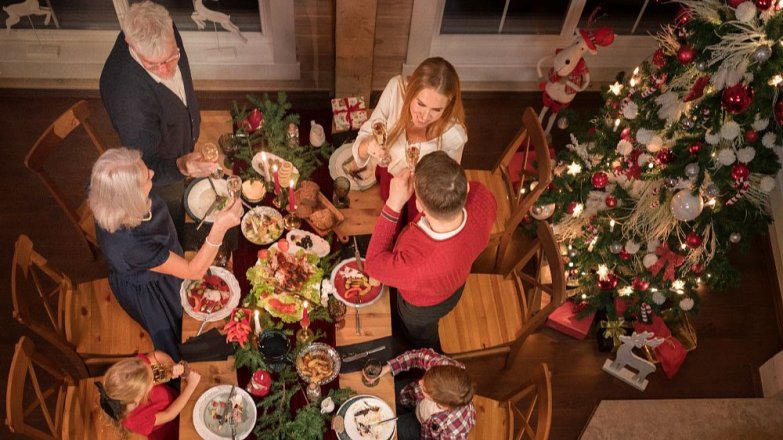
151 298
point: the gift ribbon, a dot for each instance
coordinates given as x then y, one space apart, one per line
668 259
613 329
350 109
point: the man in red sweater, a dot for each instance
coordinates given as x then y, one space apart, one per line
430 260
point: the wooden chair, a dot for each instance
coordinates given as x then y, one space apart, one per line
86 319
49 143
513 205
68 407
498 419
496 314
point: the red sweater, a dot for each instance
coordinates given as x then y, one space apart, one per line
424 270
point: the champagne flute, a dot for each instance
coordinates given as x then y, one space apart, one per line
234 185
212 154
379 133
412 151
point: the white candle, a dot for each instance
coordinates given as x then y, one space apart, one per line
266 165
258 324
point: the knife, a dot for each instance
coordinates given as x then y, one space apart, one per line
214 190
359 262
228 405
363 354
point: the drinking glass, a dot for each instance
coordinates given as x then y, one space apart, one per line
313 392
340 194
412 151
228 144
337 311
371 372
212 154
379 133
234 184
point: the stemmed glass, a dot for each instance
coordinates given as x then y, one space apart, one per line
212 154
412 151
234 185
379 133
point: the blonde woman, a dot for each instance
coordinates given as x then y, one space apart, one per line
131 397
137 236
424 109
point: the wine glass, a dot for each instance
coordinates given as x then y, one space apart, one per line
379 133
412 151
234 185
212 154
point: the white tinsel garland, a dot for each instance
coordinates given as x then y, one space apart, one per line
734 52
650 218
707 10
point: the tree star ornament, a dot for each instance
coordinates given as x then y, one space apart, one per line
574 168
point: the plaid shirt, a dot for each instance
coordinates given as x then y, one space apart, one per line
452 424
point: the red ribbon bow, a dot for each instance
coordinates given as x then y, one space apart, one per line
357 110
668 259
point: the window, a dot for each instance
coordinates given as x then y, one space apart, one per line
627 17
243 13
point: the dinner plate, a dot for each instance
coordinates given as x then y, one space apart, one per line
329 351
348 411
270 234
344 154
271 159
339 286
199 197
208 428
320 246
233 300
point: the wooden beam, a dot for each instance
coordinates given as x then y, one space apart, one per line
354 43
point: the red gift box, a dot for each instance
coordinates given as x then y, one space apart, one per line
348 113
565 319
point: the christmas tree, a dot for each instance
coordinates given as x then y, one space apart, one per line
679 164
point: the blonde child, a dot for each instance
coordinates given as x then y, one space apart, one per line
134 396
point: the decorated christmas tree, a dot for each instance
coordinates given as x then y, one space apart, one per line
677 168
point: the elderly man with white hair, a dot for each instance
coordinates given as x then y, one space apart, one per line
147 90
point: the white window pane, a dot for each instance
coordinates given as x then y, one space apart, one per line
621 15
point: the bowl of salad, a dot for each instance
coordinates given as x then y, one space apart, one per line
262 225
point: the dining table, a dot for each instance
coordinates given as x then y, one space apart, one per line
375 318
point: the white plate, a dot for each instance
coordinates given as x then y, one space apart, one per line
272 158
340 156
261 210
233 300
199 197
320 247
204 428
348 411
338 291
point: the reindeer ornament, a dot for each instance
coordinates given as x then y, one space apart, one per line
28 7
569 73
626 357
201 14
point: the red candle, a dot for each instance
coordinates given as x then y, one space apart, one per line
291 201
277 181
305 316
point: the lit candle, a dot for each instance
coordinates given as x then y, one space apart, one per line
277 181
305 316
265 164
291 201
258 324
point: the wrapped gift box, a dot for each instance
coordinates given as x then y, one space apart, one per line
348 114
565 319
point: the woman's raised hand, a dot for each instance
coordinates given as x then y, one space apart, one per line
231 215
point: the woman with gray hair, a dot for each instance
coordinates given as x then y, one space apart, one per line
137 236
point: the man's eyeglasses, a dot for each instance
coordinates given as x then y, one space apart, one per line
174 58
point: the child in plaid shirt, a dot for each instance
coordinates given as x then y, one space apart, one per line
443 398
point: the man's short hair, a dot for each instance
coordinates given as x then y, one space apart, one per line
148 27
441 185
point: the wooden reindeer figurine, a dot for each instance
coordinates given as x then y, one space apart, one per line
569 73
28 7
202 13
626 357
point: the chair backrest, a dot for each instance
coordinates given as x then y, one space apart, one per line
543 177
38 294
30 370
534 420
546 250
49 143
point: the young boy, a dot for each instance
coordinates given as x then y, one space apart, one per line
443 398
430 260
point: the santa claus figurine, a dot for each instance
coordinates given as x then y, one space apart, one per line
569 73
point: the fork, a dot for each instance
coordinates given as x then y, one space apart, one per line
204 322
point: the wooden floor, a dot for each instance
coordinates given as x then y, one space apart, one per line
737 329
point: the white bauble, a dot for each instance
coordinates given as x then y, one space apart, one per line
624 147
726 156
686 304
745 155
760 124
768 140
644 135
745 12
767 184
632 247
730 130
655 145
630 110
686 206
649 260
542 212
658 297
652 245
735 237
644 159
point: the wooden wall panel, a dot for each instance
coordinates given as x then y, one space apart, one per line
393 21
314 20
354 40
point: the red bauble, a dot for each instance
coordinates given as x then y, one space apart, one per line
737 98
640 285
694 148
608 283
659 58
683 16
735 3
255 120
610 201
778 110
624 255
570 208
740 171
694 240
663 156
626 133
751 136
260 383
697 268
686 54
763 5
600 179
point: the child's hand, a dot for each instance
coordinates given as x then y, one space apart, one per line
177 370
192 378
385 370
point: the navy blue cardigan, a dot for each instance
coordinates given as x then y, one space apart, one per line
146 114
